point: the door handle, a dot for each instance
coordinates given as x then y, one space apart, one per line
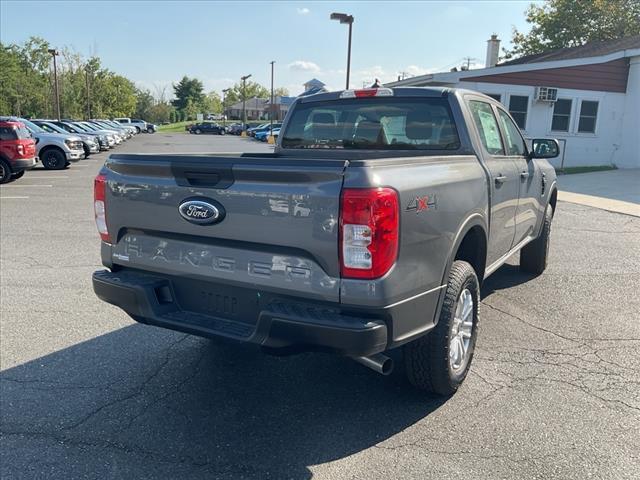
500 179
524 175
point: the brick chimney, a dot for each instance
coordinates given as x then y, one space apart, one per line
493 50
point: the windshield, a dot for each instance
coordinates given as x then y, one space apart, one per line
89 126
77 127
33 128
373 123
52 128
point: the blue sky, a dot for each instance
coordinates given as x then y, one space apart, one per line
156 42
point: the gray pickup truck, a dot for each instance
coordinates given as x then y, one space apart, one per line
369 228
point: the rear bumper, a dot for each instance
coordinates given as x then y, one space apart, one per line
20 164
280 323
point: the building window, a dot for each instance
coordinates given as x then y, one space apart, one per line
495 96
518 106
561 115
588 115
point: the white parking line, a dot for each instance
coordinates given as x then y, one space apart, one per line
8 198
31 175
25 185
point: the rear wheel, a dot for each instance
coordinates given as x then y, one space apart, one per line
54 159
5 172
17 175
137 129
87 152
198 131
439 361
533 256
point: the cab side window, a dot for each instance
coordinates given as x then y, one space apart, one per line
487 126
513 138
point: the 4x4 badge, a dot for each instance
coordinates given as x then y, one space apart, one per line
423 203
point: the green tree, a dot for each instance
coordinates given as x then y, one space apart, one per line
188 89
569 23
144 104
281 92
212 103
253 89
162 112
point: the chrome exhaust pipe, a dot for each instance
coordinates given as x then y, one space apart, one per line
378 363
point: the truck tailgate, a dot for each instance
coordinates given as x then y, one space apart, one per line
279 232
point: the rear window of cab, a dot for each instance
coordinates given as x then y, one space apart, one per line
13 132
382 123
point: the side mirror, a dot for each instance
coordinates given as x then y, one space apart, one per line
544 148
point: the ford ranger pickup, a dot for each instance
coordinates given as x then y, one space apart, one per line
369 228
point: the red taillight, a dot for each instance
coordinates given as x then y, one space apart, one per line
369 231
20 149
99 207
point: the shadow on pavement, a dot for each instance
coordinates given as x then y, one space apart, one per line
142 402
505 277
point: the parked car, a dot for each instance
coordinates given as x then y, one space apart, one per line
152 127
17 150
207 127
125 131
118 134
263 135
55 150
412 197
234 129
264 129
91 128
138 124
70 127
89 142
252 130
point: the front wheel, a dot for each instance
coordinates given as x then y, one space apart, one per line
222 132
533 256
17 175
54 160
198 131
439 361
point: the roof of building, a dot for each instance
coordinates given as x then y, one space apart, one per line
314 82
591 49
254 103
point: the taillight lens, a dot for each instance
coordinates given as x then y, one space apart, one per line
20 149
369 231
99 190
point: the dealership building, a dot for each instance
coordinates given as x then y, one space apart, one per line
587 97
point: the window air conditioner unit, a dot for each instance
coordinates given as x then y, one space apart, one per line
546 94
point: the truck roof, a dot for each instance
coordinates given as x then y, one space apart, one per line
405 92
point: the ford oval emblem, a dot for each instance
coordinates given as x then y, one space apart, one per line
201 211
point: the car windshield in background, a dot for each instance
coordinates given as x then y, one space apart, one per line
33 128
373 123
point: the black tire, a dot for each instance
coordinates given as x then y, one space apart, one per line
150 130
534 255
426 359
137 129
5 171
222 132
87 152
54 159
198 131
17 175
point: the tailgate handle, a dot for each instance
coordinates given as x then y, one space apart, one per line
199 179
202 175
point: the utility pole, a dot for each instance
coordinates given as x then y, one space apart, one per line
348 19
86 73
271 104
469 60
244 101
224 113
54 53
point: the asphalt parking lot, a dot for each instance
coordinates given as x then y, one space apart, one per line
554 390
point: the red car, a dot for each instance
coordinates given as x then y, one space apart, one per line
17 150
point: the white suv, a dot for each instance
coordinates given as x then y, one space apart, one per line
140 125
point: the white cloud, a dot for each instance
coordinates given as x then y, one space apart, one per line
303 11
304 66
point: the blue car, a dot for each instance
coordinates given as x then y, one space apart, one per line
263 136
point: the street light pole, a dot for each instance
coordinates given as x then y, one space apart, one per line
348 19
271 104
54 53
86 72
224 115
244 100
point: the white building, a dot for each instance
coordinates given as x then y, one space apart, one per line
587 97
